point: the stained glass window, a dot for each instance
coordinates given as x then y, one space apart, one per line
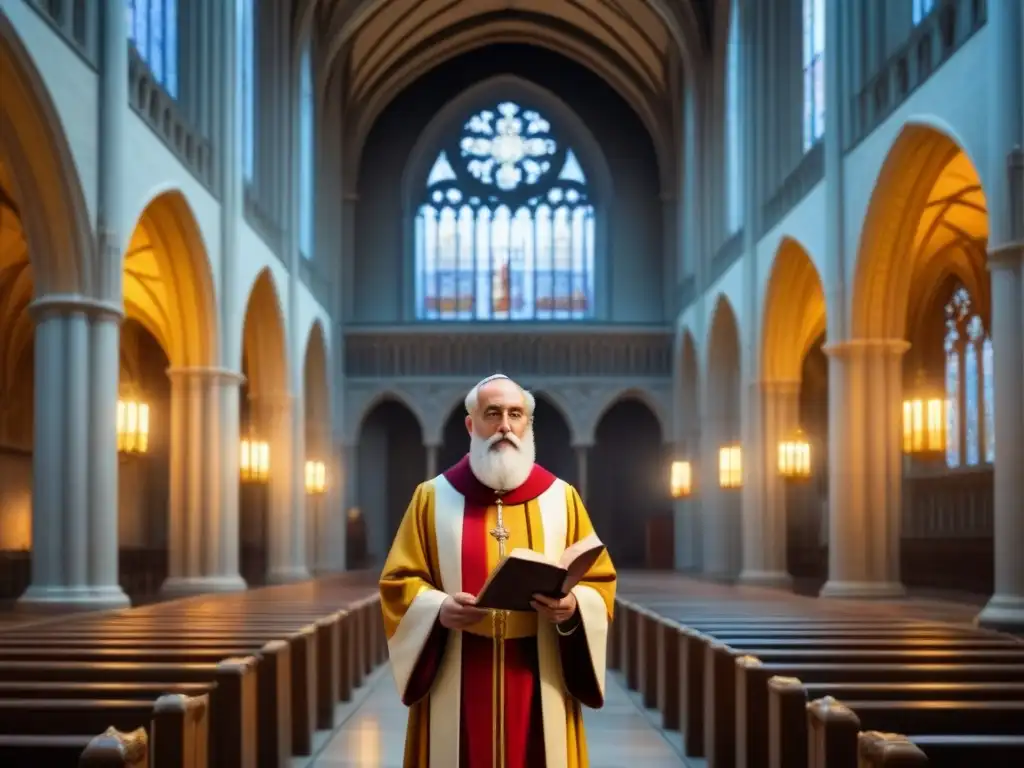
153 29
952 400
247 79
814 71
969 386
921 8
306 153
506 230
734 180
988 378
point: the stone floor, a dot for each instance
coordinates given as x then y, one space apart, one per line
621 735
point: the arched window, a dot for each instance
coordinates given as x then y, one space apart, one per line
306 153
506 228
969 386
814 71
734 179
153 29
921 8
247 79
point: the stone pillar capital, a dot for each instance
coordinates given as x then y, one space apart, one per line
778 386
1005 257
55 304
861 348
212 375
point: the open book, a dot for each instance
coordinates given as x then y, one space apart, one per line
522 573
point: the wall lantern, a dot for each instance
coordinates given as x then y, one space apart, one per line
795 456
316 478
730 466
254 462
681 479
132 426
924 421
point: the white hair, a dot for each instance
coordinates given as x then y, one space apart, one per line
473 397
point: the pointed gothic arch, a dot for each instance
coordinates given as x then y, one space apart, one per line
505 198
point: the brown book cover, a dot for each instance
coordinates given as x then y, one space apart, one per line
522 573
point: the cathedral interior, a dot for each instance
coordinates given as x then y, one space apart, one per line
760 263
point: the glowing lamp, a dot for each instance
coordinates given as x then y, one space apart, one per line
924 423
132 426
316 478
730 466
795 456
255 461
681 479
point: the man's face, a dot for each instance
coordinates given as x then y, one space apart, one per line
501 409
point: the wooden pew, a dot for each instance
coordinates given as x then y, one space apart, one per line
233 708
179 724
273 681
346 643
692 650
789 697
833 726
720 686
111 749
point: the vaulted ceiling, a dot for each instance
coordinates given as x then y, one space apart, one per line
642 48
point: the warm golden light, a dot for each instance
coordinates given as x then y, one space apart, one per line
255 461
795 456
316 477
354 514
730 466
924 425
681 479
132 426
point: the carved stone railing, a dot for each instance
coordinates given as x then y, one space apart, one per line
76 21
162 113
932 43
442 349
796 186
948 504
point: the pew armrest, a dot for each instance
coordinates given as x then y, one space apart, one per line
113 748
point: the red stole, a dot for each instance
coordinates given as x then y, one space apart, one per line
524 742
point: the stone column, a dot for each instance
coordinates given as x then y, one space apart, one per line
275 425
431 449
1005 610
333 515
865 468
74 492
719 511
764 532
582 452
686 512
203 531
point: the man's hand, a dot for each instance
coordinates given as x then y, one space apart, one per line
459 611
554 610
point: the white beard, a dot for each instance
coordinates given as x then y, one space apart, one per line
504 469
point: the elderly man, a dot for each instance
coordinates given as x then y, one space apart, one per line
493 688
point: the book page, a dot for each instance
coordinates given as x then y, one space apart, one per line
582 546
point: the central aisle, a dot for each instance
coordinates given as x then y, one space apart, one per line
620 736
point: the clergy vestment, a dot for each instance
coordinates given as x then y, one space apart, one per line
447 678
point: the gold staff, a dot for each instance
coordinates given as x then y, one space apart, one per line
498 619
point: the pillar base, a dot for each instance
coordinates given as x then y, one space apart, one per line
769 579
1004 613
189 586
863 590
57 599
289 575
